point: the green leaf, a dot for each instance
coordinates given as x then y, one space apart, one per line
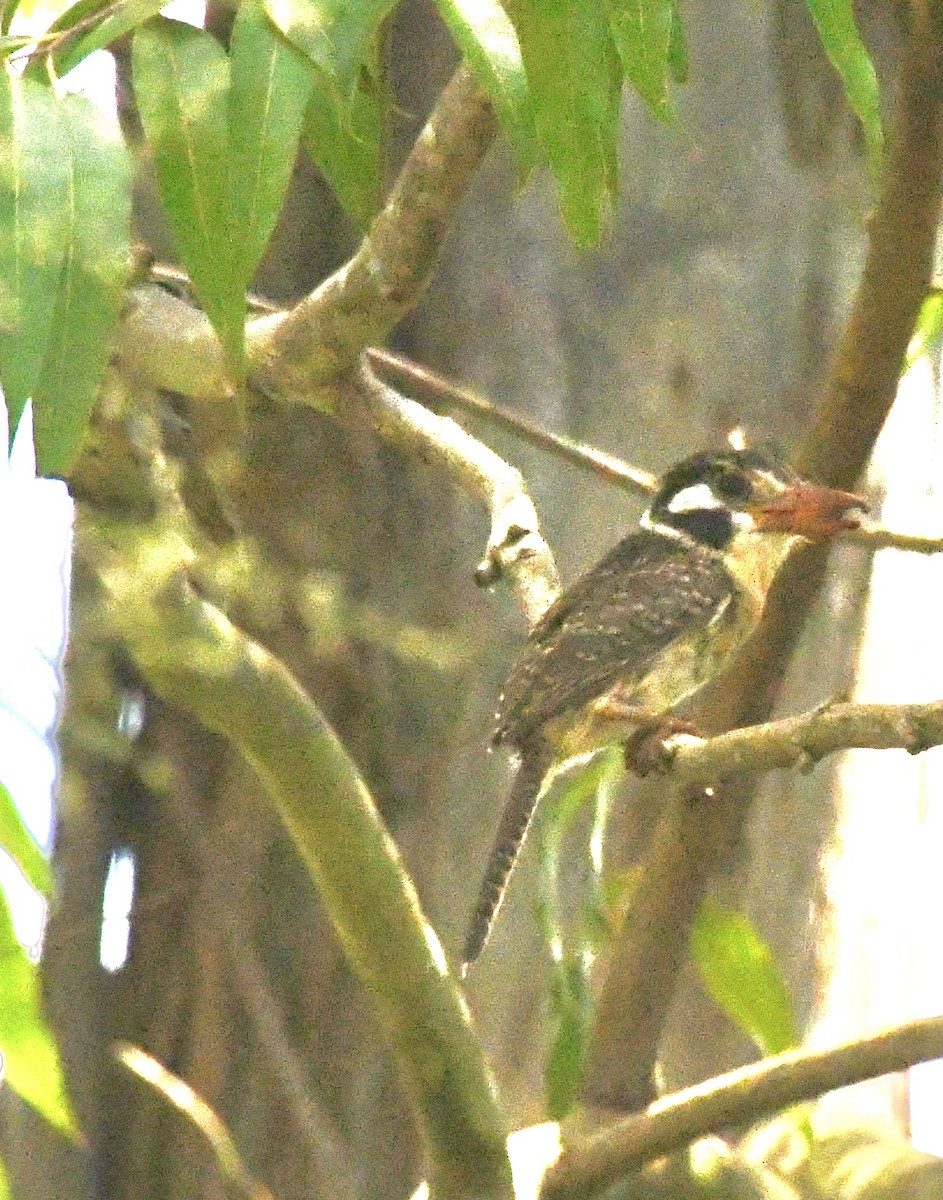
642 31
571 1021
17 841
741 977
271 86
81 35
34 205
575 79
94 272
570 1002
677 48
928 333
486 38
344 122
31 1063
346 143
5 1193
181 82
835 22
335 34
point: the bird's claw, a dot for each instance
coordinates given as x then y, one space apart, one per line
648 751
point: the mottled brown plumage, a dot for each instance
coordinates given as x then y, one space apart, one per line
651 623
601 635
613 622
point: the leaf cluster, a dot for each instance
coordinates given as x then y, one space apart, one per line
223 125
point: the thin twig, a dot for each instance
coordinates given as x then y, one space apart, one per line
515 545
873 537
588 1166
159 324
436 390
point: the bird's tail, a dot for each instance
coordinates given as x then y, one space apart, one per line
534 764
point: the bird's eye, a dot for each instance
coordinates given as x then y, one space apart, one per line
734 485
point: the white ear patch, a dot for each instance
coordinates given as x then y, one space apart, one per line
694 499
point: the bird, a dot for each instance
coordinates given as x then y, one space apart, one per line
648 626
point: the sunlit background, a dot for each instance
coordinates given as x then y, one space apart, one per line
884 874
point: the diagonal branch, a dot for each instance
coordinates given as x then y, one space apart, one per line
297 353
587 1167
436 391
515 545
193 656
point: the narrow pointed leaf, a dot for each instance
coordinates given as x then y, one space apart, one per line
15 839
91 283
181 82
335 34
642 30
34 202
345 141
345 119
677 48
271 86
835 22
741 977
928 333
88 35
486 38
30 1057
572 945
575 78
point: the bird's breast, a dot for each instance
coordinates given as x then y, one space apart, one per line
680 669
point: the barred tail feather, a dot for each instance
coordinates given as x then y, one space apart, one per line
515 820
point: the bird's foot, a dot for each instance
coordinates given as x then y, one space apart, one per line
647 751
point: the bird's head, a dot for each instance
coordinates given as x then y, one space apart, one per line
717 498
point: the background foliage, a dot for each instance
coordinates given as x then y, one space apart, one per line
250 554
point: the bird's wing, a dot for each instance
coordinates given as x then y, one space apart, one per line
608 628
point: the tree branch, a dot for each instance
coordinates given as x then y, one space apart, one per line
171 345
587 1167
193 656
873 537
435 390
296 353
801 741
515 545
188 651
898 270
693 839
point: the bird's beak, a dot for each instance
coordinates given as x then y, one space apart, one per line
810 510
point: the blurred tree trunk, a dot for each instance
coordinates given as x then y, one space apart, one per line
713 303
